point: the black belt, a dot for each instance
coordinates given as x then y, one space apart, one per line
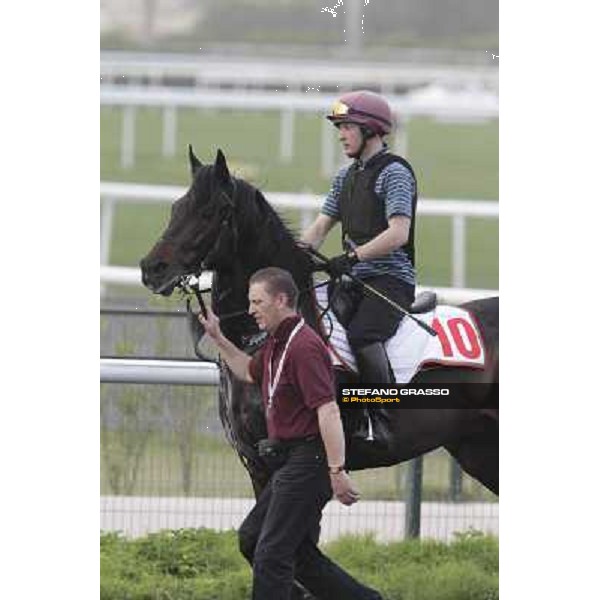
275 452
281 445
291 443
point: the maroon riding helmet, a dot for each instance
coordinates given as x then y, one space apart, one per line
364 108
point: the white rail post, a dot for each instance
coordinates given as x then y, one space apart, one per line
286 150
106 229
327 149
458 251
128 137
106 221
169 131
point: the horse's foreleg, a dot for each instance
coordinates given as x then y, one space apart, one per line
259 479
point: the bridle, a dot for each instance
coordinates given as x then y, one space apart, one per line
228 223
189 284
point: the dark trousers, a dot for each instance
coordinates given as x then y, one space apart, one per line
375 320
280 534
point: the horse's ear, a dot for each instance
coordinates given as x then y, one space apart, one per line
195 164
221 170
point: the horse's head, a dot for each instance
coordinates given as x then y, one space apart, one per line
201 231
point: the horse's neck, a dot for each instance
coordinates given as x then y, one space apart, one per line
264 241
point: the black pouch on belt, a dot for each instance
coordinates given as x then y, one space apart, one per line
273 452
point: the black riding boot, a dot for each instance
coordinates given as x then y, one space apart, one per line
374 368
373 364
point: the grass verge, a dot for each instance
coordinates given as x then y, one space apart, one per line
190 564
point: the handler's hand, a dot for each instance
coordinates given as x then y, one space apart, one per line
210 324
343 488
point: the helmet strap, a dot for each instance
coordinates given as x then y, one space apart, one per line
366 134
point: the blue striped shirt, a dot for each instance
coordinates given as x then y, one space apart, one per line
394 185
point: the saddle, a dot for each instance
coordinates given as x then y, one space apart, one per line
344 296
458 342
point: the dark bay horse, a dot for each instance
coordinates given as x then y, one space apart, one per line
226 225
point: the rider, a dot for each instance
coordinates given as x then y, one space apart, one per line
375 200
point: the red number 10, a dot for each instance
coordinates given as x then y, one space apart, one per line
459 328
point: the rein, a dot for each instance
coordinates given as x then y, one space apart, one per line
432 332
320 313
188 288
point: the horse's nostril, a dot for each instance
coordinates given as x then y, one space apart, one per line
160 267
151 270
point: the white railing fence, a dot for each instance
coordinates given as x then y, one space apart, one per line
131 98
169 372
112 193
296 74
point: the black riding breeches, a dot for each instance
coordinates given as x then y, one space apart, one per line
375 320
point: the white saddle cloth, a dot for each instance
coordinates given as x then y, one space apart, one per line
458 344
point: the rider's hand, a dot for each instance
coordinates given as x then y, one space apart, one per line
342 264
304 245
211 323
343 488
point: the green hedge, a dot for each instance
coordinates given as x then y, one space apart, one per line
203 564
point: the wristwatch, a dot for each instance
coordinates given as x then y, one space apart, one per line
336 470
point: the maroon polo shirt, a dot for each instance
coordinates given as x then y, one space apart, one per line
306 380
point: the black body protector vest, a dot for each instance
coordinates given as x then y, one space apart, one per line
362 211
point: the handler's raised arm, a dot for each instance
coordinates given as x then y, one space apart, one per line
237 360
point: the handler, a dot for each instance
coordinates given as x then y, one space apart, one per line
375 199
305 446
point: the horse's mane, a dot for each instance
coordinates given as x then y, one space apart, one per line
269 215
271 239
260 218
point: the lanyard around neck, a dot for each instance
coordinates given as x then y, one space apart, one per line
272 384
